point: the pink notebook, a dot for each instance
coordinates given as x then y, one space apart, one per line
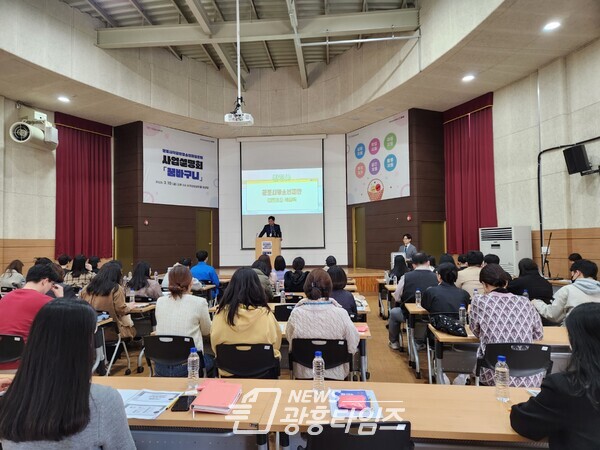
216 396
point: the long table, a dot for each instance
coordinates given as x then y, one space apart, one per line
460 413
553 337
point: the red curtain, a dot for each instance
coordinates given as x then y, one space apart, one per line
83 187
469 160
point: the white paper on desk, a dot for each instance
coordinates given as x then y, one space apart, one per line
282 327
360 308
146 404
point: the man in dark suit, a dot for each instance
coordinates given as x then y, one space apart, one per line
271 229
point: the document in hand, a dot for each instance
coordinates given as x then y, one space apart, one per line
216 396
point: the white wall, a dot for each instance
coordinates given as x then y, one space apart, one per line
569 112
334 185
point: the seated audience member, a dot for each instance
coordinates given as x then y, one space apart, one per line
566 411
468 279
399 269
462 262
445 298
585 288
187 262
294 281
68 291
105 293
203 272
270 274
344 298
142 283
64 260
498 316
19 307
13 275
79 276
446 258
320 317
279 268
93 261
262 272
530 279
490 258
182 314
42 260
432 263
52 403
420 278
329 261
243 315
575 257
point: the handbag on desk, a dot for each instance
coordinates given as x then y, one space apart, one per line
448 325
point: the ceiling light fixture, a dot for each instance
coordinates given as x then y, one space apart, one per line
550 26
468 78
64 99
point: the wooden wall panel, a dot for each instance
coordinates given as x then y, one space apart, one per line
26 250
171 230
386 221
585 241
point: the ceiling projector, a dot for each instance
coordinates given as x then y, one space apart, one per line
239 118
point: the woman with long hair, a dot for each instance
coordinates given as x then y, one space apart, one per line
498 316
321 317
182 314
105 293
279 267
79 276
270 274
142 284
262 272
400 267
51 403
243 315
13 275
567 410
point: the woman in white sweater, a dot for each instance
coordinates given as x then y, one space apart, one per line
321 317
182 314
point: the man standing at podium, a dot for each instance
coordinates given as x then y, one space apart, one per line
271 229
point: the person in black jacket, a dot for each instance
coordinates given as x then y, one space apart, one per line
567 410
294 281
445 298
529 278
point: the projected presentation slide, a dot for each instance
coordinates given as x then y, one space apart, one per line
297 191
283 178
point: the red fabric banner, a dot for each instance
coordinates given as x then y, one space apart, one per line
83 187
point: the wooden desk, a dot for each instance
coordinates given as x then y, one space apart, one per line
362 347
351 288
435 412
553 337
101 323
139 308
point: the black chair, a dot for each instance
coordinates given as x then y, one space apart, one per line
289 298
334 352
282 311
248 361
11 348
6 290
523 360
363 436
144 299
169 350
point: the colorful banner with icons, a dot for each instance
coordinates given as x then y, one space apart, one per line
377 161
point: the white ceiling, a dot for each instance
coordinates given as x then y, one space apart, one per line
503 49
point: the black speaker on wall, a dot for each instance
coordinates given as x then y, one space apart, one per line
576 159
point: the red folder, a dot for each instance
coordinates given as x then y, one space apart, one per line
216 396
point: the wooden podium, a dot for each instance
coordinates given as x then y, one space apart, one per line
270 246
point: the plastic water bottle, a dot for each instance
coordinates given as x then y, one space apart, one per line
156 276
418 297
131 295
475 292
526 294
193 365
462 314
502 379
395 280
318 372
282 296
386 276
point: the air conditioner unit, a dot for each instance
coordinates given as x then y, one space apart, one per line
511 244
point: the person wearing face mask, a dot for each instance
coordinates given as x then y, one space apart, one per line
584 289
